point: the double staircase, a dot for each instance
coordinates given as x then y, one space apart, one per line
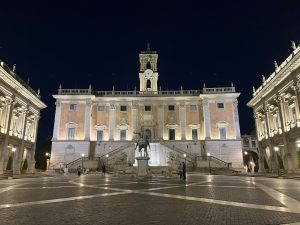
118 159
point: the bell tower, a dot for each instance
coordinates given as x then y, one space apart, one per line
148 71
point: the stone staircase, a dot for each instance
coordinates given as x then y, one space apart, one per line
116 157
189 158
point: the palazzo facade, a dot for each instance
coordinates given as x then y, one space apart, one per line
277 117
194 122
20 109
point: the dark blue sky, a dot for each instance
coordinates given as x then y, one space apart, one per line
80 42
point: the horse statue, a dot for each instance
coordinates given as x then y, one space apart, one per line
143 142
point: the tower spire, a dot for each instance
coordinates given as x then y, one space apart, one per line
148 46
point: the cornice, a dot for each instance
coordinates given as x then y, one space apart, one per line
18 87
291 63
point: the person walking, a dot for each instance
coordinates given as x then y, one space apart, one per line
180 171
79 170
183 170
103 169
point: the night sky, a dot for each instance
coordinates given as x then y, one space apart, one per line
75 43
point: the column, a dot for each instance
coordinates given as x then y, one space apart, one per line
35 127
206 114
57 120
182 119
297 103
31 161
21 150
87 121
274 161
3 117
267 120
236 120
112 121
160 120
283 113
3 156
133 119
255 115
7 115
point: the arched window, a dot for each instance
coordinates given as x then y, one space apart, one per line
148 84
148 65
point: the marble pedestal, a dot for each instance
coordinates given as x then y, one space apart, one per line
142 166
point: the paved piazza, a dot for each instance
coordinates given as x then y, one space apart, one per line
202 199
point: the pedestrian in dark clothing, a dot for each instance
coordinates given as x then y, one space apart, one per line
78 170
103 169
183 170
180 170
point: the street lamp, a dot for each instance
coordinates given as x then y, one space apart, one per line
47 154
276 149
208 154
106 156
82 155
13 160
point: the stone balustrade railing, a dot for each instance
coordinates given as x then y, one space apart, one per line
147 93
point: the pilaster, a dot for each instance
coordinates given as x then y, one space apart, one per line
57 120
160 116
236 120
206 114
133 119
182 119
112 121
87 121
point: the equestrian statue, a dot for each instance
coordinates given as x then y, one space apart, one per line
143 141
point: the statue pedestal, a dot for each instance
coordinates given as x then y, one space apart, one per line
142 166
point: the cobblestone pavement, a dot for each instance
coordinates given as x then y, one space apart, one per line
202 199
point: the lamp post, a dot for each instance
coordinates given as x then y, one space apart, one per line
13 160
82 155
246 161
47 154
276 149
208 154
106 156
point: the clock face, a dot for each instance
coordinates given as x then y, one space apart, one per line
148 73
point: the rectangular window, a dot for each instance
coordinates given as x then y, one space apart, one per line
71 133
123 108
99 135
193 108
147 107
171 107
73 107
220 105
253 143
222 131
171 134
123 135
101 108
194 134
